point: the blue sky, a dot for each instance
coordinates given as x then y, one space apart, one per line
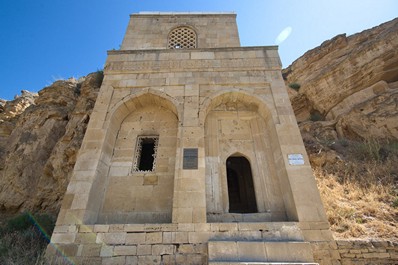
46 40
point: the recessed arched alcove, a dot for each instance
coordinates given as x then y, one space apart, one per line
240 137
141 146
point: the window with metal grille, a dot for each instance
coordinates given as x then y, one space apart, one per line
145 153
182 38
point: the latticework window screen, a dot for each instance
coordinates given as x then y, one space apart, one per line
182 38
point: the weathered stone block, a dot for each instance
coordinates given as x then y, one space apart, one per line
106 251
153 237
114 261
149 260
151 180
135 238
251 251
186 248
199 237
65 229
91 250
223 251
114 238
86 238
68 250
132 260
64 238
158 250
202 55
101 228
116 228
144 250
125 250
134 228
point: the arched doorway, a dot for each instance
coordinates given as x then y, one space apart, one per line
241 194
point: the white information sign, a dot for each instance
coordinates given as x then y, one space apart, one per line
295 159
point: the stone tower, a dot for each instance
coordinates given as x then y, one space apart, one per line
192 155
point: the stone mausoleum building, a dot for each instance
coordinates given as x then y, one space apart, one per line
192 155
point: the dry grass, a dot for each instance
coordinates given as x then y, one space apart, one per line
360 191
356 212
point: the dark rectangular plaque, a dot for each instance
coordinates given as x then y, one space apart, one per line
190 159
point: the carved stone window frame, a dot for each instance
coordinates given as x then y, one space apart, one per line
138 153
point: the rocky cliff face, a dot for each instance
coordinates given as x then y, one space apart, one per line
39 139
351 81
347 110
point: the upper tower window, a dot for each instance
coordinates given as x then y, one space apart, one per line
182 38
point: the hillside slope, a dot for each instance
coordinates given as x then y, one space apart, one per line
347 109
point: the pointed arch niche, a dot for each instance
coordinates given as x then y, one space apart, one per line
137 191
239 136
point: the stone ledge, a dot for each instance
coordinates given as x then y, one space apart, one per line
187 227
248 48
181 13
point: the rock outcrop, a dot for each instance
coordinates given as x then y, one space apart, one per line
345 97
352 81
9 113
40 136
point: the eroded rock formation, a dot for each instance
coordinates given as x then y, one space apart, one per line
347 110
40 137
352 81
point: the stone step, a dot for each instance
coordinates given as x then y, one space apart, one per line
257 263
259 252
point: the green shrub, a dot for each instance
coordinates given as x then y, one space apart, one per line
100 71
373 149
391 147
360 220
295 86
316 116
46 223
19 223
343 142
395 203
23 238
368 150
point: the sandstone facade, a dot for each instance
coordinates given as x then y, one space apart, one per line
227 178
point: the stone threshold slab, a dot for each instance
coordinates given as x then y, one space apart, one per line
258 263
